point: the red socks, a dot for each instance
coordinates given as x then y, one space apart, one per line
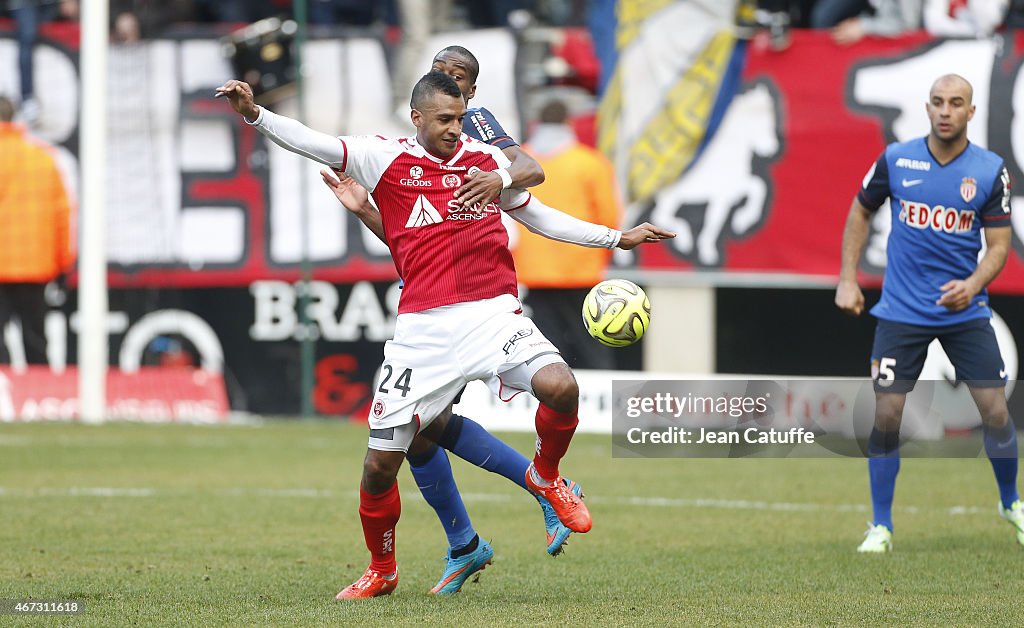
554 433
379 514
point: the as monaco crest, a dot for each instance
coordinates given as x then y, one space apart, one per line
968 188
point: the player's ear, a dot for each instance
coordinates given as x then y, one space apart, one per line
416 117
471 92
970 113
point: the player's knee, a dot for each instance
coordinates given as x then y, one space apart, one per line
558 388
995 417
888 419
379 471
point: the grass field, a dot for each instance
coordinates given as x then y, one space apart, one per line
244 525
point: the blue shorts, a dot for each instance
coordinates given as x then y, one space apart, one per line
899 351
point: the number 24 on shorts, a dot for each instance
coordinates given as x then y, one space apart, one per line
402 382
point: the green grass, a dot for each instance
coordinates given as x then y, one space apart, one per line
257 526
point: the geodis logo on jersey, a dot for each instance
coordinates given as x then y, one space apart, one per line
416 181
938 218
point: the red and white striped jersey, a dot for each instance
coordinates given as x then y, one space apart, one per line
444 254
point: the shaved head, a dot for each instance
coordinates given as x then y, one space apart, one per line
949 109
954 82
433 83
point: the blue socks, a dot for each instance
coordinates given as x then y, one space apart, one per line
883 465
1001 447
468 440
433 474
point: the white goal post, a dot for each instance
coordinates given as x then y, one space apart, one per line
93 347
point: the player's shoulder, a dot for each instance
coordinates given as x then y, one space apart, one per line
909 155
367 139
912 147
473 145
984 156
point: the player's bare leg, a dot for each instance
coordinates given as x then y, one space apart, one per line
556 421
1001 447
379 510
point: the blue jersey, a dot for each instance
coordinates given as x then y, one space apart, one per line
482 125
937 215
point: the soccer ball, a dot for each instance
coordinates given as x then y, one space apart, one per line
616 312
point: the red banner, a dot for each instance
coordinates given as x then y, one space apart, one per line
153 394
798 139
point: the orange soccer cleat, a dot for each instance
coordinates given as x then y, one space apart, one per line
569 507
370 584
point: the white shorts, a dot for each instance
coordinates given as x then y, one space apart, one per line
435 353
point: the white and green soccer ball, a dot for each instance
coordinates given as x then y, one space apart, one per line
616 312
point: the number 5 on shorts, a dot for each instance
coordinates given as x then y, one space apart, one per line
886 376
402 383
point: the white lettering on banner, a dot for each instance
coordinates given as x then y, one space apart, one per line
275 317
7 412
723 181
186 324
152 394
158 142
363 315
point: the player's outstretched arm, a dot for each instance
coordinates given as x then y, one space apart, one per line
849 297
481 188
958 294
641 234
356 199
289 134
556 225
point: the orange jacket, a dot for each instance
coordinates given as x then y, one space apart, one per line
579 181
35 215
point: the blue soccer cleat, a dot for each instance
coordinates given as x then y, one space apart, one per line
458 570
558 534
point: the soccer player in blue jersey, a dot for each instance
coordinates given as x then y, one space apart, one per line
467 552
942 190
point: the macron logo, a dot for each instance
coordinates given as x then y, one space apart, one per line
423 213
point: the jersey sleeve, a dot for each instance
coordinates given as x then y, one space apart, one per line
559 226
875 188
296 137
996 210
366 158
481 125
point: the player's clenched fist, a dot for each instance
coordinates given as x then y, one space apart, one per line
849 298
239 94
